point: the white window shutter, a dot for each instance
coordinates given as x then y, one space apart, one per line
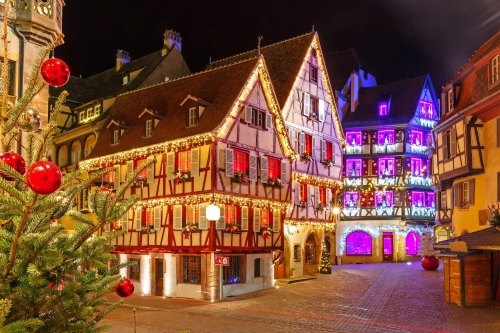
229 163
170 165
297 193
306 104
138 218
151 170
107 227
220 224
157 217
269 120
125 222
253 168
276 220
322 144
195 162
310 191
333 152
283 172
313 146
117 177
328 197
256 219
244 218
263 170
321 110
130 168
292 139
302 139
248 114
203 224
316 196
177 217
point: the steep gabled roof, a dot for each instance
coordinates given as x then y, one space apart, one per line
340 65
283 60
220 87
403 95
485 239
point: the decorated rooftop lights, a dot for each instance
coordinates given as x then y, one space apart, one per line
316 181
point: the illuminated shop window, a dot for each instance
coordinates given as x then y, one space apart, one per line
351 199
383 109
412 243
386 166
427 110
384 199
417 138
353 138
385 137
353 167
358 243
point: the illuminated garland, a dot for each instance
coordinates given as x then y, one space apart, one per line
143 152
316 181
218 198
329 225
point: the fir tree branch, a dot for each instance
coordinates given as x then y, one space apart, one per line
5 69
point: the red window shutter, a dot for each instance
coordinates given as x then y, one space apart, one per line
364 167
408 198
365 137
374 167
399 166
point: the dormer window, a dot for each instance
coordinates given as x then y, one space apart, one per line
116 137
193 117
450 99
383 109
494 69
149 128
426 110
97 110
83 116
90 112
125 80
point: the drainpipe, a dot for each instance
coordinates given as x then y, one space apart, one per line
20 87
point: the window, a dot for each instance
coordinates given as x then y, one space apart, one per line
308 144
384 199
418 199
314 74
256 267
231 214
310 247
385 137
97 110
426 110
265 218
83 115
353 138
297 252
261 119
383 109
412 243
90 112
184 161
116 137
351 199
322 196
273 168
353 167
191 269
240 163
125 80
314 107
135 271
144 173
358 243
193 116
328 151
444 202
149 128
494 69
416 138
150 217
450 99
232 274
431 200
416 167
192 214
463 193
303 192
386 167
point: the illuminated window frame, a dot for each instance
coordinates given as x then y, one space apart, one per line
385 137
184 160
494 66
353 164
353 138
417 138
351 199
358 243
386 164
382 197
383 109
416 167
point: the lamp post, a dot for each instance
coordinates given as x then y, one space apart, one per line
213 214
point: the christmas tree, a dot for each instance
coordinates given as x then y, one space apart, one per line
50 281
325 266
426 249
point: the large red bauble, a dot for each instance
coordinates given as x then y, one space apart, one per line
55 72
44 177
124 288
15 161
430 263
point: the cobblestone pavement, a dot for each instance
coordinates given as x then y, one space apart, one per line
389 297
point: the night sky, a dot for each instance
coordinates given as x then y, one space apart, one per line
395 39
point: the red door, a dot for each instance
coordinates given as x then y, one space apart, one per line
387 238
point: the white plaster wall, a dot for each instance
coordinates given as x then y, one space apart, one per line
144 287
265 281
123 259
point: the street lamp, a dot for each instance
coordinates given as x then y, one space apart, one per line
213 214
292 229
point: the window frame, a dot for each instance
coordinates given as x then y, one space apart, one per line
241 166
329 150
234 260
83 116
313 74
179 155
116 137
149 128
185 270
449 98
273 164
134 272
383 109
314 107
193 117
322 196
357 232
494 69
303 192
308 146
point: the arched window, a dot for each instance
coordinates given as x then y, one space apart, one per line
359 243
62 157
89 145
310 250
76 151
412 243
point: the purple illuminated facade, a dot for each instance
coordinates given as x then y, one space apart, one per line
417 138
383 109
353 138
351 199
353 167
427 110
358 243
386 166
384 198
386 137
412 243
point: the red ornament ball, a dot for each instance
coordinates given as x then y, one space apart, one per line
125 288
430 263
55 72
44 177
15 161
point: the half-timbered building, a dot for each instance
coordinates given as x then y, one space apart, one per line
213 137
467 159
299 77
387 196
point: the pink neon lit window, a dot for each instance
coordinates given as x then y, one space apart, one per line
418 199
416 167
417 138
412 243
387 242
430 200
385 137
428 141
426 110
386 166
358 243
384 199
383 109
353 167
353 138
351 199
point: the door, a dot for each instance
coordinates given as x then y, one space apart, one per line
159 277
387 239
279 265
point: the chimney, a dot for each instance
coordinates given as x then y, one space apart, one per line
122 57
171 39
